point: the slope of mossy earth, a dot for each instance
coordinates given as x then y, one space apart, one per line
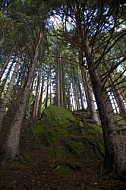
64 150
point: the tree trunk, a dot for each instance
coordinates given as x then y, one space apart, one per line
58 82
4 81
120 101
37 97
115 147
68 99
47 91
81 95
11 146
41 95
7 97
6 64
118 98
89 97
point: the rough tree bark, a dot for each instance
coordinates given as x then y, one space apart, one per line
7 97
58 81
37 97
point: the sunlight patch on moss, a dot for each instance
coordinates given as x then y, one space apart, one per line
58 116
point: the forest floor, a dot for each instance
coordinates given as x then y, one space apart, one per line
37 172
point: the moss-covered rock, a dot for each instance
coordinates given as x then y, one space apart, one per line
68 135
74 147
63 169
57 116
57 152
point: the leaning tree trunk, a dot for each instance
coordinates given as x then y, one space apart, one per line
11 146
115 147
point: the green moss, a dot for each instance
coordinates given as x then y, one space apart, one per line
92 151
67 137
81 124
57 116
101 147
54 136
74 147
50 138
56 152
38 129
14 166
90 129
51 152
65 170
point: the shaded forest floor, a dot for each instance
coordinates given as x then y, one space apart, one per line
37 172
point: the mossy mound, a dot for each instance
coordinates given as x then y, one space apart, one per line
63 170
57 116
69 135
